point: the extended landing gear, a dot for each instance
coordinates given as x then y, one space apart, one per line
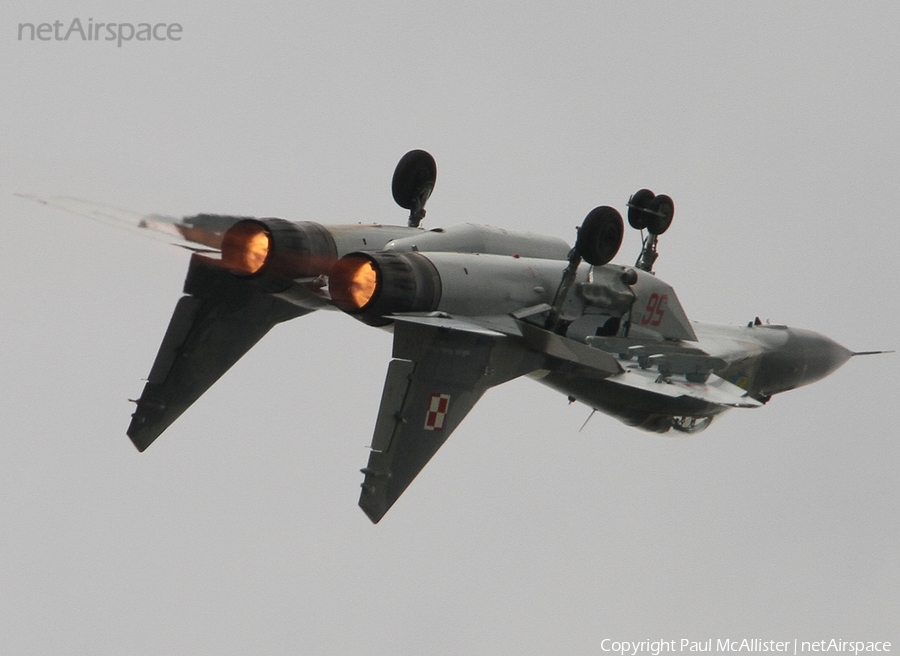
413 183
600 235
647 211
598 241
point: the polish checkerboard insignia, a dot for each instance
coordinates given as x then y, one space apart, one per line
437 411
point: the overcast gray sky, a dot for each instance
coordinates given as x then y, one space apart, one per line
772 125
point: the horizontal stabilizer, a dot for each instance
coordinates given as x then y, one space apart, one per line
439 371
212 327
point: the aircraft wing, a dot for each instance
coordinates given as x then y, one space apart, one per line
672 369
714 390
439 371
212 327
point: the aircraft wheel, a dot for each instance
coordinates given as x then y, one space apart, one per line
600 235
414 179
663 209
639 202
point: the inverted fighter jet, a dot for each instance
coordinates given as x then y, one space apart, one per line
470 307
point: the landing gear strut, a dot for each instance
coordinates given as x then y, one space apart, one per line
654 213
413 183
598 241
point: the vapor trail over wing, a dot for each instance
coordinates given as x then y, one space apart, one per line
204 230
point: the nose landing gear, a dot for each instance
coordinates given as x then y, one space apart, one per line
654 213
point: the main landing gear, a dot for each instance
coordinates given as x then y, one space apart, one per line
600 237
413 183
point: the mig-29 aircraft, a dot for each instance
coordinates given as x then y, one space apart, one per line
470 307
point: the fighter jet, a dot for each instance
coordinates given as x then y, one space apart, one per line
470 307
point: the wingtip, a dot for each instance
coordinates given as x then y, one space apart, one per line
140 441
373 511
373 501
141 433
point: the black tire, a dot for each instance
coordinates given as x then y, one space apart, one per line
414 179
640 201
600 235
663 210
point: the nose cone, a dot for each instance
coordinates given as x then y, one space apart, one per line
804 358
822 354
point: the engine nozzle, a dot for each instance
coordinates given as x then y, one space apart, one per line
276 252
373 286
245 247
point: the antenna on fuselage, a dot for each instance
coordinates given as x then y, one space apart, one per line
654 213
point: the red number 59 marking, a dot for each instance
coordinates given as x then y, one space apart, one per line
656 308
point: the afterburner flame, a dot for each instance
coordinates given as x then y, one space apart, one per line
245 247
363 282
256 251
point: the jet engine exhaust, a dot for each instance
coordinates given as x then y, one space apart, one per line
362 282
372 286
275 252
245 247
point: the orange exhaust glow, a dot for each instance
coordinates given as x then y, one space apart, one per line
353 282
245 247
363 282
